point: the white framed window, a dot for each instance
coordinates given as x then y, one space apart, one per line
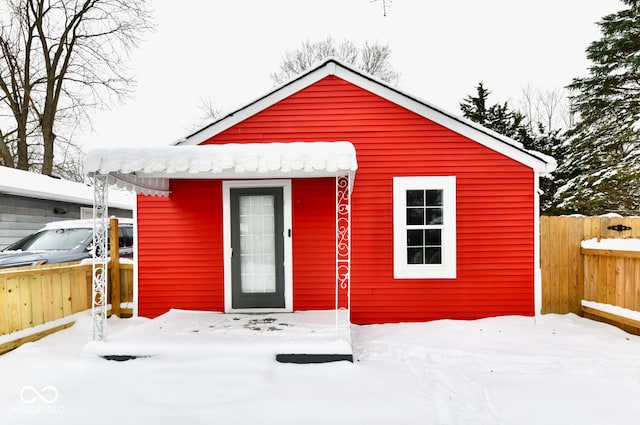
424 227
86 212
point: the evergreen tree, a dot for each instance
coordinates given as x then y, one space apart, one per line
603 162
502 119
499 117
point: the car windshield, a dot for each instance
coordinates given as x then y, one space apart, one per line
53 240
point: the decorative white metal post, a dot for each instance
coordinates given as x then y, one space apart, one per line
100 270
343 242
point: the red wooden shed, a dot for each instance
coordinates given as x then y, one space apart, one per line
263 210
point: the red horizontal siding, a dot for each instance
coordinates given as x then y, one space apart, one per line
494 203
314 243
494 210
180 249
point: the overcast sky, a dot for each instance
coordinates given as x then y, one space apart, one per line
226 50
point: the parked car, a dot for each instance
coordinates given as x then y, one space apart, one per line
61 242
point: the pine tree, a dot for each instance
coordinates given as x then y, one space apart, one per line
512 123
603 162
498 117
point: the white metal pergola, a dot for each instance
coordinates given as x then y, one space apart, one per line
148 171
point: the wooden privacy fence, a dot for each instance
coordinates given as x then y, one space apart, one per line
571 274
31 296
612 277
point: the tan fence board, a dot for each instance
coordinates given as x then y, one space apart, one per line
590 276
636 289
82 300
619 283
4 307
13 304
610 282
77 303
25 301
37 308
47 298
561 284
66 294
545 272
576 269
56 290
629 284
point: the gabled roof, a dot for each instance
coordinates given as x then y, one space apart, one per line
509 147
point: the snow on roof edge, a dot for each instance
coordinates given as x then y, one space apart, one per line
39 186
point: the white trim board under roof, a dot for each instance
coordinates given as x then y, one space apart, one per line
537 161
147 169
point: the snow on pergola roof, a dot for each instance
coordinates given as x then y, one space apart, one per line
147 169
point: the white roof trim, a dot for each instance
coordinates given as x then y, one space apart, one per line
147 169
497 142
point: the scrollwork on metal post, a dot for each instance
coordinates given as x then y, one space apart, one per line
100 253
343 241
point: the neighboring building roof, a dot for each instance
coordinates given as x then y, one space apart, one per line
145 169
539 162
79 224
39 186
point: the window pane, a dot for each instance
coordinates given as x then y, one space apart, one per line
125 239
415 216
415 198
415 238
434 215
433 237
424 240
57 239
434 198
414 255
257 244
433 255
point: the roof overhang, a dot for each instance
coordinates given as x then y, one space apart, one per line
148 169
539 162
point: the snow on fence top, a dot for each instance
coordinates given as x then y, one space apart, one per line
612 244
257 159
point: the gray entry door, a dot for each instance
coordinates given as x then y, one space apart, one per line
257 244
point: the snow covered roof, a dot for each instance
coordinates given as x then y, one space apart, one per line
544 164
40 186
147 169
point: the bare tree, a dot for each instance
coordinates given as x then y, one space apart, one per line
16 83
61 58
549 109
371 58
386 4
209 112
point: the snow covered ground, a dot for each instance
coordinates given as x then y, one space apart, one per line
556 369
